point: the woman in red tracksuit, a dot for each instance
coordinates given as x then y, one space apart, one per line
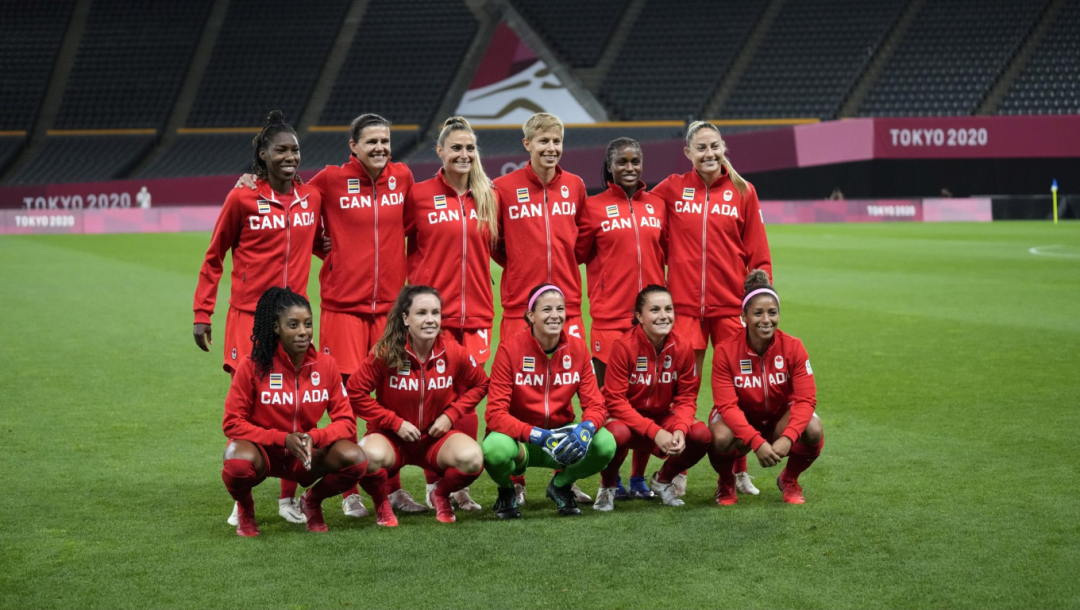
539 204
714 235
651 398
764 392
619 234
424 384
272 414
452 222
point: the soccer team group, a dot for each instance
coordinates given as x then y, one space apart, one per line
407 311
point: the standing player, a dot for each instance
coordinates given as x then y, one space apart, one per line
270 231
539 204
533 379
452 222
272 415
424 384
619 234
714 235
651 397
764 392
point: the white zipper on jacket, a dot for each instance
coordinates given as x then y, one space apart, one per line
637 239
375 204
547 229
547 387
704 227
423 384
464 256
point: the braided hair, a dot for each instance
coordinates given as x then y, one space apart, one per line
264 341
643 296
756 280
275 124
391 346
612 150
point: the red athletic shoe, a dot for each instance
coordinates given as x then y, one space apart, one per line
726 495
384 514
313 512
247 526
444 511
790 488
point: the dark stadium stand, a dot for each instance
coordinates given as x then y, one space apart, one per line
84 158
30 35
675 57
1050 82
10 147
577 31
402 60
203 155
252 72
951 57
129 68
810 59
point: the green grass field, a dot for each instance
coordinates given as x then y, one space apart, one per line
947 360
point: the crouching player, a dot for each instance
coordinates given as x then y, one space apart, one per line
764 394
424 384
273 409
533 379
651 395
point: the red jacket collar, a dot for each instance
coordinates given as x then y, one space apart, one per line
617 191
438 348
698 180
361 172
750 350
531 174
310 357
450 190
268 193
563 342
643 339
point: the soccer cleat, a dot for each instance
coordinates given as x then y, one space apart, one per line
666 491
444 511
620 492
313 512
289 509
401 500
605 499
679 481
564 498
790 488
427 495
464 501
743 484
353 506
384 515
506 506
579 495
640 490
725 491
245 522
234 517
519 494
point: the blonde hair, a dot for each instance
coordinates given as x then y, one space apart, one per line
487 205
541 121
736 179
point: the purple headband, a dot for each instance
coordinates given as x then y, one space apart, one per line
542 290
757 292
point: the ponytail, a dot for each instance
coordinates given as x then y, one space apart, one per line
736 179
487 205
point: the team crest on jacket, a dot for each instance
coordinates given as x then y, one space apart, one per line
276 381
354 186
566 361
264 206
440 366
613 211
779 362
565 191
528 364
326 350
667 361
303 204
392 182
315 379
234 353
649 208
728 195
440 202
688 194
642 364
745 367
597 346
523 195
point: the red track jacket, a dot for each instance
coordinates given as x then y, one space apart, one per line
271 246
537 234
642 385
450 250
265 410
529 389
619 242
365 269
714 236
745 384
449 382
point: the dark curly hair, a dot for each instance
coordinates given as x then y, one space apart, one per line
264 341
756 279
275 124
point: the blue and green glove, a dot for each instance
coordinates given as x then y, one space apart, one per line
548 440
576 444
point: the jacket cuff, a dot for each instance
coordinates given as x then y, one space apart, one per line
279 438
318 437
651 430
790 433
201 317
756 442
454 412
682 427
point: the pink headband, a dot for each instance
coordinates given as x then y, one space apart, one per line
542 290
757 292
